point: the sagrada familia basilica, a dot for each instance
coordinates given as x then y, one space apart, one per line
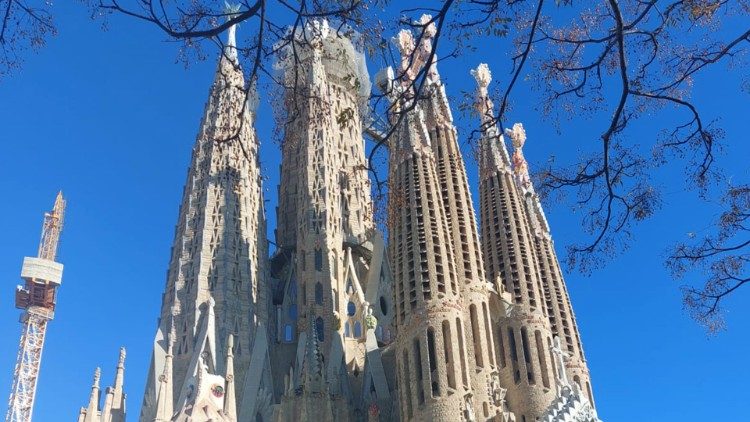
450 319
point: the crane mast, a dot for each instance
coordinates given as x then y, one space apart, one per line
37 297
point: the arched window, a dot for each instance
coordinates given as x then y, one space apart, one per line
288 337
407 384
448 351
542 358
513 355
318 293
319 329
357 329
293 291
527 355
351 309
318 259
476 333
432 357
347 331
461 352
420 376
383 306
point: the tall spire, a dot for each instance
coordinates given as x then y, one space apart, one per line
507 237
92 411
459 210
220 248
557 300
432 366
114 402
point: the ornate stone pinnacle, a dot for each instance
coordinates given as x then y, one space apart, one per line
317 30
97 376
231 9
517 135
121 360
429 27
405 42
483 76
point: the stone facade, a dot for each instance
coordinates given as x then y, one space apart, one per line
440 323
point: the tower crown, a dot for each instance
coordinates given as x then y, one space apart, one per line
493 155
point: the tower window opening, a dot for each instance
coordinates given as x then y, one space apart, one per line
476 334
318 259
383 306
501 349
351 309
318 293
357 329
527 356
513 355
320 329
461 353
407 383
288 337
488 334
448 351
420 375
432 356
542 358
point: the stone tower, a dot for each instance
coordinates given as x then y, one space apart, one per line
216 283
114 398
523 337
431 348
329 271
459 210
562 320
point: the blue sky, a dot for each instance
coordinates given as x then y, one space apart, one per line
110 118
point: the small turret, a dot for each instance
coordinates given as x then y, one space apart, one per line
114 399
164 399
92 411
230 401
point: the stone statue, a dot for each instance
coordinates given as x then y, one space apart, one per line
560 355
370 321
469 415
497 393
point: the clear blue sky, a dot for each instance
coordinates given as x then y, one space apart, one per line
109 118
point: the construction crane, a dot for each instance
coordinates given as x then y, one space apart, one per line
37 297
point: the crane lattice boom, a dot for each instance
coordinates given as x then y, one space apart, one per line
37 297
